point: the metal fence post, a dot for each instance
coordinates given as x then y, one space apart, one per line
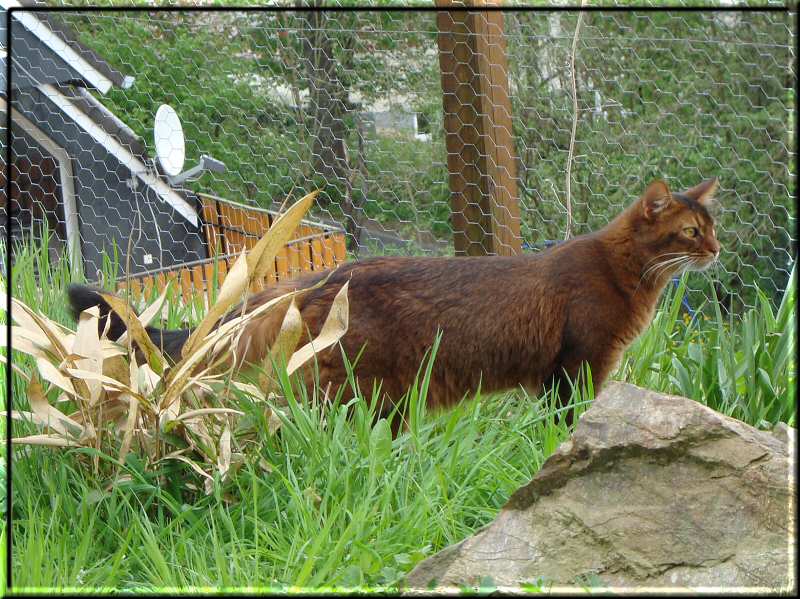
481 159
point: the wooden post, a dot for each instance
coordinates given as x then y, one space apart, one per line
478 131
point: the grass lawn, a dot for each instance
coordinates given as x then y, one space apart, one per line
332 500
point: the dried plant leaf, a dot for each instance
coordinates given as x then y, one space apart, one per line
32 343
55 377
116 368
283 228
87 345
30 417
149 313
52 440
112 349
34 336
169 414
285 343
224 456
251 390
273 421
207 411
198 428
147 380
107 382
130 425
32 321
249 267
55 419
191 464
135 328
233 287
15 368
179 376
333 329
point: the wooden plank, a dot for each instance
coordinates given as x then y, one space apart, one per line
174 283
136 289
316 254
477 122
282 264
327 252
257 285
295 269
263 224
208 276
339 248
306 264
186 284
252 224
198 282
233 239
304 231
222 271
161 283
147 287
213 234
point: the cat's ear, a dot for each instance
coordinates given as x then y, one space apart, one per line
656 198
703 193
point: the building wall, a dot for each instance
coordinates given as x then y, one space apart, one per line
114 207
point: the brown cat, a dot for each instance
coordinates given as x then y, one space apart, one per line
505 321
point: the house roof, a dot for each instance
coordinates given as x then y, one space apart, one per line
84 101
66 75
59 40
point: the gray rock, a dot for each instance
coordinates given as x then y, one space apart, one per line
651 491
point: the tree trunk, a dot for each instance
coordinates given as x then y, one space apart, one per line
327 98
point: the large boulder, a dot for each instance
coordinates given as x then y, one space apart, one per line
651 491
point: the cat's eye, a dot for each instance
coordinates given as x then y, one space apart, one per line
691 232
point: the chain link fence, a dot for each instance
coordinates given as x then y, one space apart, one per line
428 132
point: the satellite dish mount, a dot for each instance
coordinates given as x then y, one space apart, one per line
171 149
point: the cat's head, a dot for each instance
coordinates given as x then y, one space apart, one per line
675 231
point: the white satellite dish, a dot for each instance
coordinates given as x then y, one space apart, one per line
170 144
171 148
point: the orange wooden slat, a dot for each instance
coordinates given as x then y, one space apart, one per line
306 263
210 215
198 283
252 223
186 284
263 224
294 260
161 281
282 263
208 275
339 248
327 252
136 289
316 254
271 276
172 279
147 287
222 271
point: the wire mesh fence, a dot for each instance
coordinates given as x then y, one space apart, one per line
427 132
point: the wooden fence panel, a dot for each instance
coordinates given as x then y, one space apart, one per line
230 228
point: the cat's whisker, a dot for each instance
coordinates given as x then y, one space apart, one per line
664 265
661 266
677 264
646 264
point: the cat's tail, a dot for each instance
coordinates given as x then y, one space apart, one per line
82 297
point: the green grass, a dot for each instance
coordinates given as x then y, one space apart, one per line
333 500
